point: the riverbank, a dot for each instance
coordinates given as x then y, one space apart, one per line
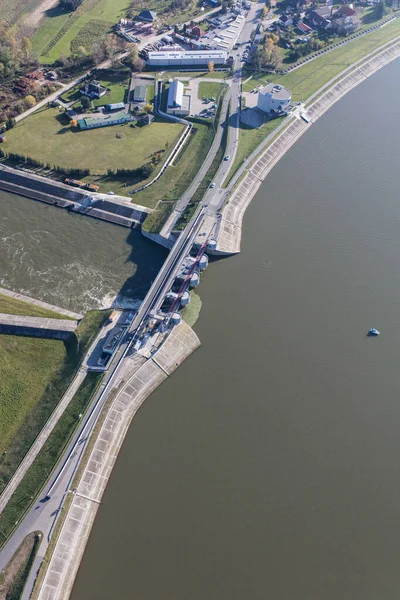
144 377
230 225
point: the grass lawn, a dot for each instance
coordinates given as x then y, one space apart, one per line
16 572
26 368
35 374
11 306
249 139
191 312
208 89
47 136
308 78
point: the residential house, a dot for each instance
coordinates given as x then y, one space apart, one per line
319 17
303 28
93 89
198 32
286 20
147 15
345 20
346 10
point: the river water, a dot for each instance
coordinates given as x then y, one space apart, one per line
72 261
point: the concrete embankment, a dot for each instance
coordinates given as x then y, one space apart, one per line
147 376
52 307
57 329
230 225
38 188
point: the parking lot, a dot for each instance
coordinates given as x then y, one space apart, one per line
197 105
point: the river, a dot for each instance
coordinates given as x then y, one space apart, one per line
267 466
72 261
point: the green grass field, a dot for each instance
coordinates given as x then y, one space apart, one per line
26 368
209 89
47 136
11 306
307 79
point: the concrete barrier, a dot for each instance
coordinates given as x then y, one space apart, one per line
56 329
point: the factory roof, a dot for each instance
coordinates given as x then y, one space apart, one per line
189 54
175 94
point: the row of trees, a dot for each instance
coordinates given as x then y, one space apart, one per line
15 52
142 172
269 56
70 5
38 164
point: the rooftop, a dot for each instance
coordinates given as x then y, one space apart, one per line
276 91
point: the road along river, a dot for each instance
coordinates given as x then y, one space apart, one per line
268 465
70 260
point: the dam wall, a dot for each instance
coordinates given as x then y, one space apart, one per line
57 329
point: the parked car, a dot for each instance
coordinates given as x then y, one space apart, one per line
212 185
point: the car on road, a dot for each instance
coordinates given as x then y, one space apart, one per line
227 157
212 185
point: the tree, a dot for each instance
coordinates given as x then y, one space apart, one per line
133 54
265 11
73 123
29 101
211 66
85 102
381 9
139 64
26 46
70 5
148 108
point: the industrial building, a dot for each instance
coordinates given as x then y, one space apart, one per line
226 38
178 102
104 120
113 340
187 58
273 97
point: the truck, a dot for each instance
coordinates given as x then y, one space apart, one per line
74 182
91 187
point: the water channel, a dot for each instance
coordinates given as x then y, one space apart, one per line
267 466
72 261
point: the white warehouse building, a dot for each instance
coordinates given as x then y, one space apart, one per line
273 97
187 58
178 102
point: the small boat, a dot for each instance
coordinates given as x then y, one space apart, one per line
373 332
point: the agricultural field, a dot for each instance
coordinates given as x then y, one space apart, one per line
61 33
46 135
12 10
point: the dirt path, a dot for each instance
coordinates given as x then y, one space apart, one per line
34 18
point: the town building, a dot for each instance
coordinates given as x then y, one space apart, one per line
116 106
147 15
104 120
187 58
319 17
139 93
303 27
178 102
197 31
273 97
93 89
